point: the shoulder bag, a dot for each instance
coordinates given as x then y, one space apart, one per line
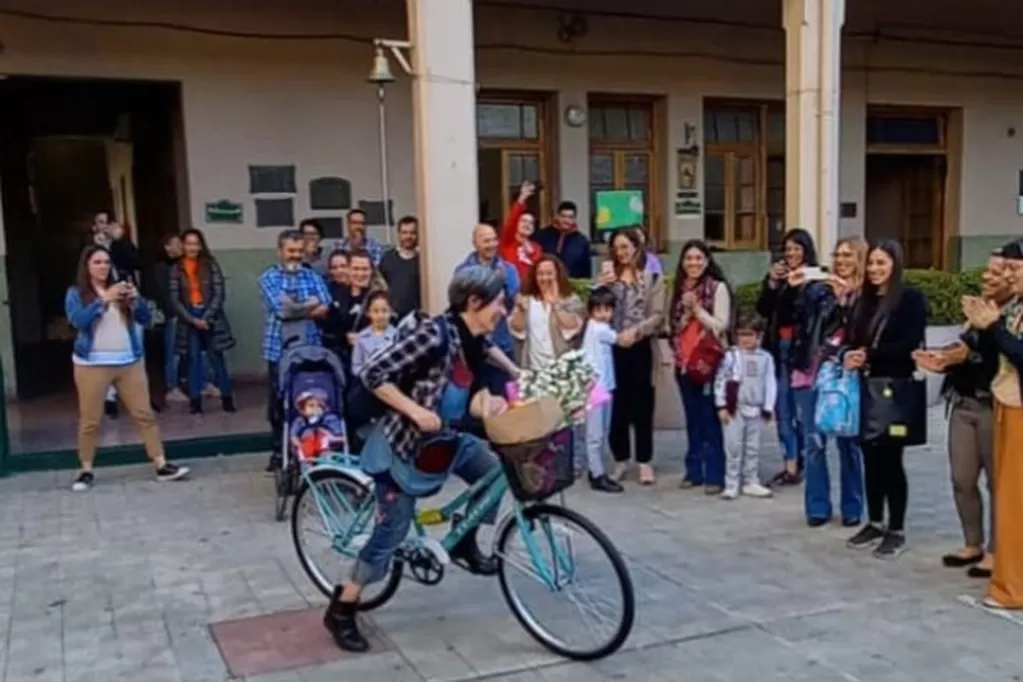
700 362
894 409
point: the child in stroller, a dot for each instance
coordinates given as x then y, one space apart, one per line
316 430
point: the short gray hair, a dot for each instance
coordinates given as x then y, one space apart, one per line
484 284
289 236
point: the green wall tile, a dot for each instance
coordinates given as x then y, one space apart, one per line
244 307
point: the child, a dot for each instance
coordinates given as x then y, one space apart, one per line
315 430
597 341
378 334
745 389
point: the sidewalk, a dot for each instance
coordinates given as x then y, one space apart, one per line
123 583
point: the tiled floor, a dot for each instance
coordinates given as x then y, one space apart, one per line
47 424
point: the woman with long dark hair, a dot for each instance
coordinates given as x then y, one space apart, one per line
547 315
701 303
197 294
638 317
887 326
108 317
777 304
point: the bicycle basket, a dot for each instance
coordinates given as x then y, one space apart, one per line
539 468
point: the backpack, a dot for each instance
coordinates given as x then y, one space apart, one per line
837 410
362 407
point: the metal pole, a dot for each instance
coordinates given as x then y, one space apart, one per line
385 184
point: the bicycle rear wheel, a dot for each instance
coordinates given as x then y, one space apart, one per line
554 546
331 519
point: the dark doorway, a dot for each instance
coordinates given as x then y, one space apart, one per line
68 149
905 201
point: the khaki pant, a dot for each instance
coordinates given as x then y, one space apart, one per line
971 447
133 388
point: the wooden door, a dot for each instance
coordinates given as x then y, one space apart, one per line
922 216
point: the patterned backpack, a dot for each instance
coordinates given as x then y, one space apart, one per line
837 411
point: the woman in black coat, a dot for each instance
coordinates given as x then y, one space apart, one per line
887 325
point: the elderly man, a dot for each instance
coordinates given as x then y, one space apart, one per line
485 245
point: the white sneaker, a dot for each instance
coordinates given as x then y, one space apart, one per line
176 395
756 490
729 494
210 391
620 470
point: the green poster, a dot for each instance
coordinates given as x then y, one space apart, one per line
619 208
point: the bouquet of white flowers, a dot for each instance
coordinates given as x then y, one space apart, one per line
569 380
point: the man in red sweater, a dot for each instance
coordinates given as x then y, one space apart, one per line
516 245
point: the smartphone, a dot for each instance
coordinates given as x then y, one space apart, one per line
816 273
538 186
607 268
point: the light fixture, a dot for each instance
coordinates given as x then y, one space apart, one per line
575 116
380 75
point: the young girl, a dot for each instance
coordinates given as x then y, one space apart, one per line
378 334
597 342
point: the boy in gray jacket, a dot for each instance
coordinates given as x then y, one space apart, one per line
745 390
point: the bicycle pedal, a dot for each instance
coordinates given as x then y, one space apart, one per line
430 517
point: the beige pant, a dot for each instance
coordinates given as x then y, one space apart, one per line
132 386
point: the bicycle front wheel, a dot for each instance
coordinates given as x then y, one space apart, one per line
331 519
558 556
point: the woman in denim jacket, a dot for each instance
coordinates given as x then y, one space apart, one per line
108 317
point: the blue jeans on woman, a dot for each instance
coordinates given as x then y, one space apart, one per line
705 458
817 493
785 412
395 507
196 366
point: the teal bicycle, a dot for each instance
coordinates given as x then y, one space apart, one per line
549 547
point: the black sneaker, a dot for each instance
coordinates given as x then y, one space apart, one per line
171 472
83 481
227 403
605 484
869 536
891 546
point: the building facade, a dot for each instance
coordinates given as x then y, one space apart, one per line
197 113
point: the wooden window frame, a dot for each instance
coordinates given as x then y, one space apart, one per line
654 146
940 116
542 146
758 150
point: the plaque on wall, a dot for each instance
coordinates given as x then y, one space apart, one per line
271 179
333 227
375 211
330 194
275 212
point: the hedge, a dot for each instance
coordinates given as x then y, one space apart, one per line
944 291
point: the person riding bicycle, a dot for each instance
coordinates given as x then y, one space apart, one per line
427 378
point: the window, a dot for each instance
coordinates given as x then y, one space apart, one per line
744 174
904 131
623 155
511 148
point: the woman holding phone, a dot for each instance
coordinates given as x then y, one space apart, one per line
638 317
108 318
776 304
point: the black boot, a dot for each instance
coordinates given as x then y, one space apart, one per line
340 621
110 408
468 556
228 404
195 406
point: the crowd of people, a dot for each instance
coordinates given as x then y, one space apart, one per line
737 371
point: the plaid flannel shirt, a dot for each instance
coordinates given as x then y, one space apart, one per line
413 351
299 286
371 245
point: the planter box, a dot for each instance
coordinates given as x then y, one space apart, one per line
935 337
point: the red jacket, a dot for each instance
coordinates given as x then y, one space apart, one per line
521 255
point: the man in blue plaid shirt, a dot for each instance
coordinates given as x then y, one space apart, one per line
294 297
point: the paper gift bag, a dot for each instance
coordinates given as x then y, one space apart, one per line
524 423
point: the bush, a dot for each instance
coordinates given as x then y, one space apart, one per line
943 291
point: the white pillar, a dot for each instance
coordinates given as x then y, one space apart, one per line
444 116
813 51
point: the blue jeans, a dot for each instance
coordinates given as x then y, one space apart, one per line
197 367
705 458
817 493
171 359
785 412
395 508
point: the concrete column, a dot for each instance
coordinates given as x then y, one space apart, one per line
444 116
813 48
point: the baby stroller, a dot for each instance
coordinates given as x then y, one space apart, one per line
304 370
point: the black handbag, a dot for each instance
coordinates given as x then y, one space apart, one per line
893 409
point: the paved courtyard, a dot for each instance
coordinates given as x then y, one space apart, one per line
124 583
